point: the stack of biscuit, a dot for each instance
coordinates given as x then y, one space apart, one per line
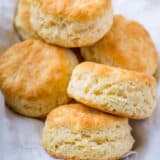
42 75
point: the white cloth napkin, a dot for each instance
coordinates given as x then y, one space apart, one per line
20 137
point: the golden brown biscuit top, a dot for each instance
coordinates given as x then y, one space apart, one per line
30 68
81 117
129 45
117 74
24 12
81 10
22 20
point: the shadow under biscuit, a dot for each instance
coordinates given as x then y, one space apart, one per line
140 141
157 74
78 54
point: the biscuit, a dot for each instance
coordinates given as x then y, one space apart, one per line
118 91
127 45
22 20
34 77
77 132
71 23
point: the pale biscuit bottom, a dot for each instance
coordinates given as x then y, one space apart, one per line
89 145
129 97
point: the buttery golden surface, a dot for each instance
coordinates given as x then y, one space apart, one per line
34 76
127 45
77 10
22 20
81 118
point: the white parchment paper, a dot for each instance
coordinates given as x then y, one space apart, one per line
20 137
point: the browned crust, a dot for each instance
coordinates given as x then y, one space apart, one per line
86 10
